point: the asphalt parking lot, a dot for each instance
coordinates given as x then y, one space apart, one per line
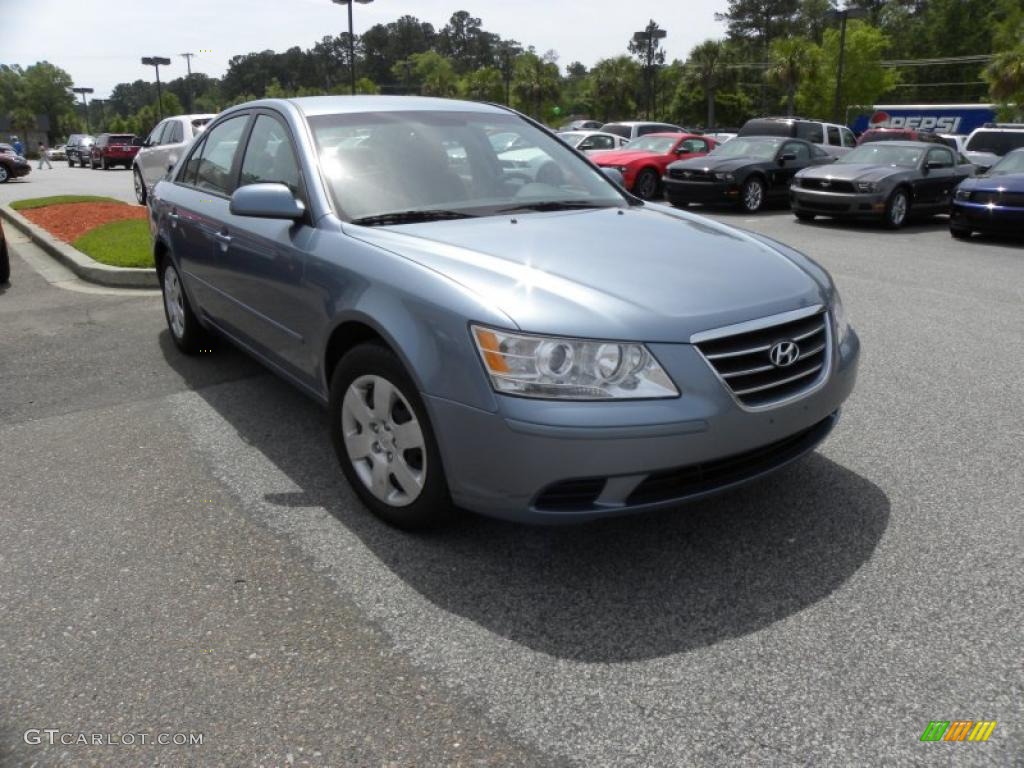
181 554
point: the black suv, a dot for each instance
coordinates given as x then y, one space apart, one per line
79 149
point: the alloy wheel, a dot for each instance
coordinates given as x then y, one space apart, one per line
384 440
753 195
174 302
898 209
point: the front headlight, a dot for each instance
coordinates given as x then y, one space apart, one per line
570 369
839 313
867 186
725 176
962 194
622 168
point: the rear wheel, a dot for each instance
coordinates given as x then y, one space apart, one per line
384 441
897 209
752 195
140 187
646 184
188 335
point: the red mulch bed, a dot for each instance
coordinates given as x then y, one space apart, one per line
69 221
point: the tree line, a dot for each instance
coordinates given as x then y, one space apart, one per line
778 56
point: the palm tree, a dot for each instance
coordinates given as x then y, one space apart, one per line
706 68
613 83
536 81
791 60
1005 76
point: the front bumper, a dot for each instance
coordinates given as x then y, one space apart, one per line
700 191
985 218
847 204
17 171
543 461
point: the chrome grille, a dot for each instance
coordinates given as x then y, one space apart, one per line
1010 199
689 174
742 358
828 185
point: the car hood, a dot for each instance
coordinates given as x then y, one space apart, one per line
624 156
1006 182
648 273
853 172
721 164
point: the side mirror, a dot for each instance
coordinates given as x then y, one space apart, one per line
932 165
266 201
787 157
614 175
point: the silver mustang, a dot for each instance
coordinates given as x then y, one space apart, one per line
542 347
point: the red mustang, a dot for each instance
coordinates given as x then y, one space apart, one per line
643 161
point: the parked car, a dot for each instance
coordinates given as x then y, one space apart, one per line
7 149
643 162
13 166
113 149
5 258
993 202
834 139
634 129
986 145
79 149
581 125
746 171
593 142
884 180
897 134
57 153
162 148
484 343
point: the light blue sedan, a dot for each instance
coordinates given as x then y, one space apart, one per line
539 347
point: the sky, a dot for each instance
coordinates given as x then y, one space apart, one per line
103 45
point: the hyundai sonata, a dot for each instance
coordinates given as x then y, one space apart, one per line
480 337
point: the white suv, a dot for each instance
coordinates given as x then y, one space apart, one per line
634 129
986 145
162 148
831 137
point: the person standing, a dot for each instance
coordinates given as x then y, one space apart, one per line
43 157
19 148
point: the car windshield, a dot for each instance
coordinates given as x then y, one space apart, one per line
883 153
1012 163
996 142
761 148
659 145
417 163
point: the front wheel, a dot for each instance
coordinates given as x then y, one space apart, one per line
752 197
140 187
188 335
897 209
384 441
646 185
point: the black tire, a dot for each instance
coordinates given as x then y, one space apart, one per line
191 339
5 175
752 194
140 187
5 263
804 215
897 212
71 162
432 507
646 184
960 233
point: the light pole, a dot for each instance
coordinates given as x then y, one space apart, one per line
156 62
85 105
188 80
842 16
103 116
351 41
649 36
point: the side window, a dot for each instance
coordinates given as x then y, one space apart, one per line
269 156
163 128
154 136
694 145
849 140
187 175
801 151
643 130
175 134
943 156
812 132
213 172
602 142
833 136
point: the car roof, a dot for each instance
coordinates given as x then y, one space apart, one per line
313 106
669 135
913 144
636 122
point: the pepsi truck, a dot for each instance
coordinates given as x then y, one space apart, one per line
941 118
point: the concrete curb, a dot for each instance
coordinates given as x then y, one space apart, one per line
86 268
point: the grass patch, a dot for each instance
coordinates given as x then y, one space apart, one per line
42 202
120 243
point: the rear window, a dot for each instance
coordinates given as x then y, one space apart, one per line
886 136
996 142
199 123
121 139
767 128
618 129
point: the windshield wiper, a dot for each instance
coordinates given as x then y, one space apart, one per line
410 217
554 205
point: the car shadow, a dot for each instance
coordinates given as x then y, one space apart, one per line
914 225
618 590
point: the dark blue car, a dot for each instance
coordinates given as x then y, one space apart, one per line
993 202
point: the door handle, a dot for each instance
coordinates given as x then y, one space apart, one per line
223 238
